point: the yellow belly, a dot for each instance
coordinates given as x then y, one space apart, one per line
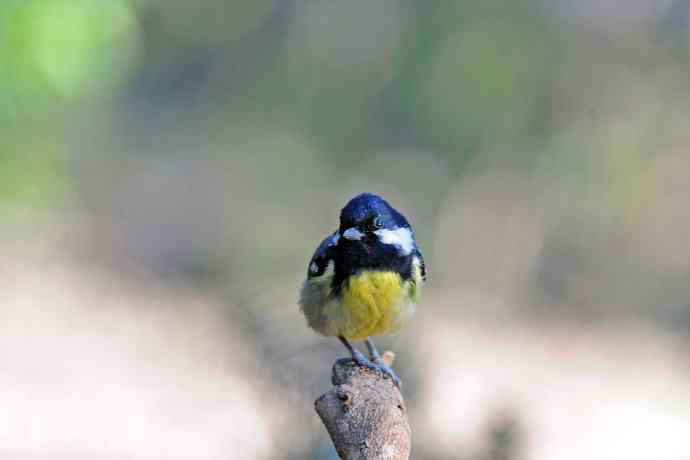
371 303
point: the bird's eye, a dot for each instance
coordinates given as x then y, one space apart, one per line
378 223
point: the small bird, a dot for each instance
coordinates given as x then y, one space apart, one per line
364 279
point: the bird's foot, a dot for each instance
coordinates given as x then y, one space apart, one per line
386 370
377 365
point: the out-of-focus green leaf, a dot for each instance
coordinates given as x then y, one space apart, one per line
485 82
34 174
71 47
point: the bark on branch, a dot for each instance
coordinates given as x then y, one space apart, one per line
365 415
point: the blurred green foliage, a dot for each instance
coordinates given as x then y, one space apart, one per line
487 76
216 137
451 76
66 48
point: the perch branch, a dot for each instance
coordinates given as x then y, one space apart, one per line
365 414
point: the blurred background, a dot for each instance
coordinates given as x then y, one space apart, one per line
168 167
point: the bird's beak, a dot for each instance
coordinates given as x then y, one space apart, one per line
353 234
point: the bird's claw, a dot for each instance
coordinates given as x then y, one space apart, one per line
377 366
386 370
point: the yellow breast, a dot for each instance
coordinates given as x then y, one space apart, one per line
371 303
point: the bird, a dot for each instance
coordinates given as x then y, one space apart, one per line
364 279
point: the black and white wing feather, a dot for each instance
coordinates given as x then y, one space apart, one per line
322 256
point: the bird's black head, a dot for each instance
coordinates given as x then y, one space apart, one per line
367 213
372 236
368 223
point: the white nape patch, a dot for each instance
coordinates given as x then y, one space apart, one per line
400 237
353 234
313 268
335 238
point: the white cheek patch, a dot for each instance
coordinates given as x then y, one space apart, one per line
400 237
353 234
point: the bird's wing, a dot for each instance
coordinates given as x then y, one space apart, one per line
422 265
322 256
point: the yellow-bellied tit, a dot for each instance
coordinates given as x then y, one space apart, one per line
364 280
